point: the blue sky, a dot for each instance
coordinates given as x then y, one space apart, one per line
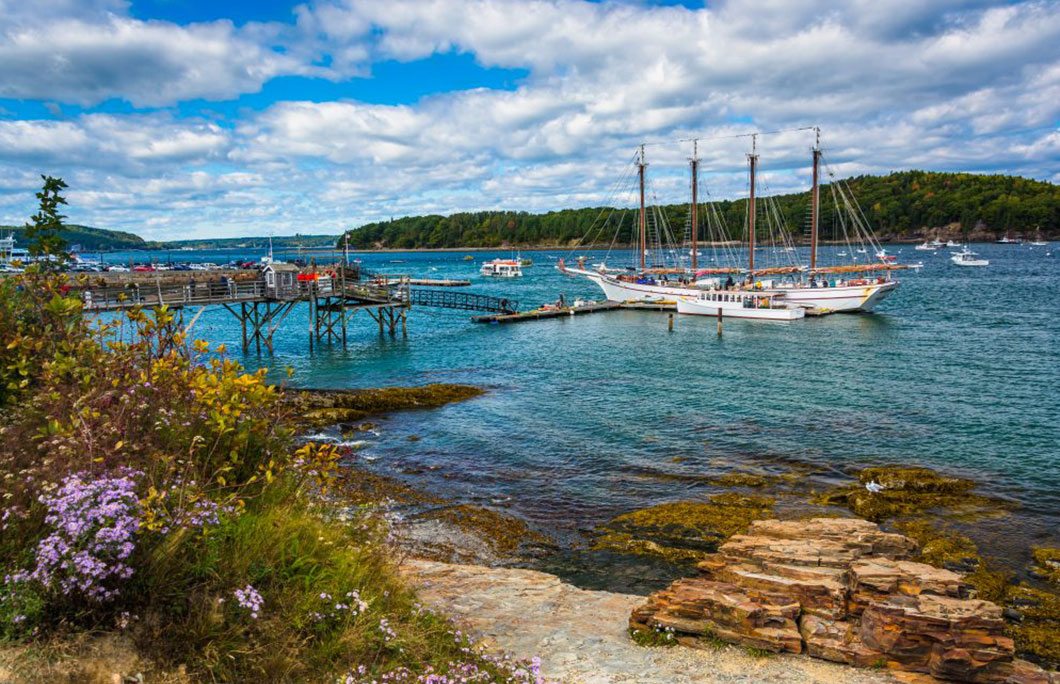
183 118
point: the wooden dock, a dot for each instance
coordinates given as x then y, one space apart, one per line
436 282
649 306
551 312
564 311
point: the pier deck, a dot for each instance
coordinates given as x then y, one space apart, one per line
559 312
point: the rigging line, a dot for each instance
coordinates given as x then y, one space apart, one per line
723 237
608 207
659 143
858 213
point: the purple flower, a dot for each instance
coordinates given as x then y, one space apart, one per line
249 598
94 525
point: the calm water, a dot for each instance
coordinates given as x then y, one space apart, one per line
958 371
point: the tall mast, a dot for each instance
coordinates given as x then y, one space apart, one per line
695 200
753 163
643 229
815 200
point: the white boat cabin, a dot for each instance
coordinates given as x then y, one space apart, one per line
502 268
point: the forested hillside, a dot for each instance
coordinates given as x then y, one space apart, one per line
905 204
259 242
90 239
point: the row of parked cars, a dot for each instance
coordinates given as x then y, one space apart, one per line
96 267
91 267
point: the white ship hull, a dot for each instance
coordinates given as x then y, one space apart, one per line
845 298
620 291
696 306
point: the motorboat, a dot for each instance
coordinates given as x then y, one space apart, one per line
966 257
502 268
740 304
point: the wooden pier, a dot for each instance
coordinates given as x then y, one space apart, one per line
261 305
439 282
566 311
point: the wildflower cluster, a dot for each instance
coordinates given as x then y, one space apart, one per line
249 599
330 609
488 672
386 630
656 636
94 524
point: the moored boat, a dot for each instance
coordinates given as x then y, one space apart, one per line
740 304
856 287
853 295
502 268
967 257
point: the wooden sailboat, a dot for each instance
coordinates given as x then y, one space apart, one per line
847 287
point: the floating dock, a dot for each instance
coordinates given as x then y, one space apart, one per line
443 282
564 311
551 312
560 312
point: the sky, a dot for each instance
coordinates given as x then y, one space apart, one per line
179 119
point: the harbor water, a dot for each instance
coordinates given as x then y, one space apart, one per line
586 417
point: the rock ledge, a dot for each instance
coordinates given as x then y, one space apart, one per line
845 591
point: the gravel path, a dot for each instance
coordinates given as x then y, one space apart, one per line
581 635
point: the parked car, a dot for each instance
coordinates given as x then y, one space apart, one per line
118 268
144 269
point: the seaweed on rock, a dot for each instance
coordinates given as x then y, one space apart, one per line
683 531
906 491
315 408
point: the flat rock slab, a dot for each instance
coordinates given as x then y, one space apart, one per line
581 636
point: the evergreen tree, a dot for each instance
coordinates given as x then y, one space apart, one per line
43 233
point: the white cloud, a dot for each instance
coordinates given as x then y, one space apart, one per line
91 54
133 145
958 84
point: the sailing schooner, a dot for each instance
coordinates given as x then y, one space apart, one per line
841 288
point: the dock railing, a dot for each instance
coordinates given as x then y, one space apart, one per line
386 290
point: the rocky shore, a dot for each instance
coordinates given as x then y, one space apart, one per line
841 590
920 604
582 637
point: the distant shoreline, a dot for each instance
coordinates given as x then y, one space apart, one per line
536 248
313 251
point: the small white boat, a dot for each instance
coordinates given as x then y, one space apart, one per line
882 255
952 243
1010 241
736 304
1039 243
502 268
928 246
966 257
